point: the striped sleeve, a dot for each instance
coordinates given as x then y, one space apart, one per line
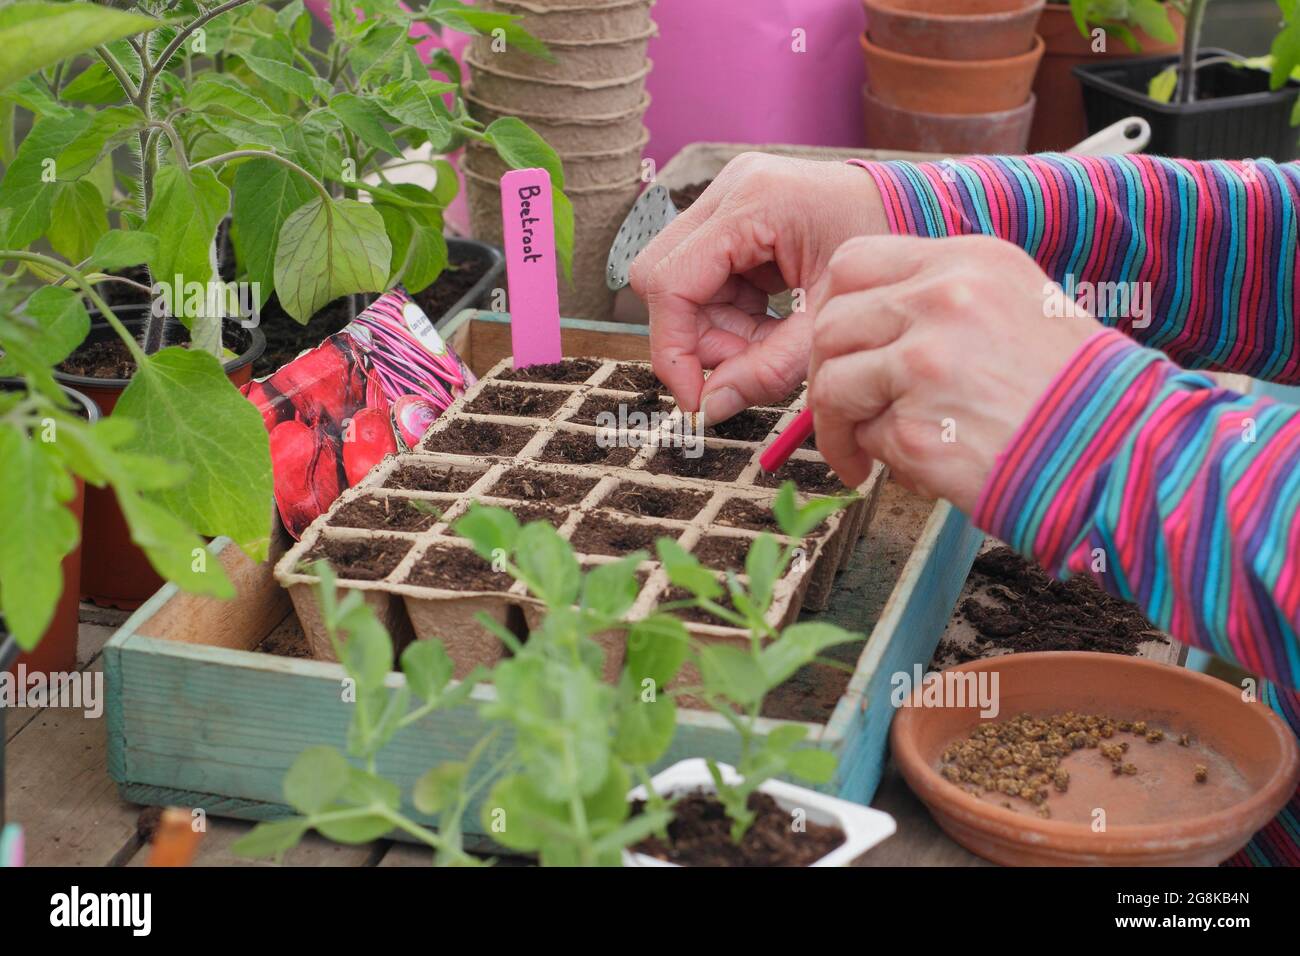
1173 252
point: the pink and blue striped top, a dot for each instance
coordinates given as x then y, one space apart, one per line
1190 491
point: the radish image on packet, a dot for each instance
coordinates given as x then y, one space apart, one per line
367 391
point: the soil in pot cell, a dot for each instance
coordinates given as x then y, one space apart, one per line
685 197
388 513
716 463
722 553
570 371
628 377
358 559
525 512
519 402
653 501
810 477
639 412
601 534
700 835
531 484
411 476
456 569
750 425
585 448
467 437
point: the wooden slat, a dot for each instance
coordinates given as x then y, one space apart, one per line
60 792
482 339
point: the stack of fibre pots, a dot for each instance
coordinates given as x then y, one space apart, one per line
588 104
950 76
525 440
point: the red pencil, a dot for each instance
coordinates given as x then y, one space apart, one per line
790 439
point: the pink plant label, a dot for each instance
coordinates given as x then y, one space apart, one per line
529 232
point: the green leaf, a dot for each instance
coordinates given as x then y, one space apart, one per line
611 589
271 839
1153 17
440 787
733 673
120 248
427 667
813 765
517 817
562 210
329 249
187 207
1162 85
685 571
1285 51
61 317
797 521
169 544
547 563
656 647
419 251
108 128
762 565
27 192
522 148
187 410
96 84
798 645
226 95
266 193
39 532
316 779
78 219
300 84
37 35
367 120
476 21
645 730
492 531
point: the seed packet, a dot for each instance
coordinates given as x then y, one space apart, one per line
336 410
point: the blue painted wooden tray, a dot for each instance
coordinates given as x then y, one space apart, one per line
197 717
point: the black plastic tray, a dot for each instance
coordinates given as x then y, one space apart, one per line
1237 117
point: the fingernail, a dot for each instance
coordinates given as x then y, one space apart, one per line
720 405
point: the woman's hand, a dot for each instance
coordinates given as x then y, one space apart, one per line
765 224
929 354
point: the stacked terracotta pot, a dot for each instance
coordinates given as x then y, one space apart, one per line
950 76
588 104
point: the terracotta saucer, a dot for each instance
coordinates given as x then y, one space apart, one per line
1158 817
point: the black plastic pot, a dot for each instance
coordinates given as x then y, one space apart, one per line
480 293
1235 117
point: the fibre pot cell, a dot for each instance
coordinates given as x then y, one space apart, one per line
1162 814
1059 121
862 826
928 85
593 97
954 29
57 650
889 127
618 55
114 572
572 134
1235 115
572 20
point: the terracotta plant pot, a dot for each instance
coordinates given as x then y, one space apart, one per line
927 85
1161 816
57 651
1060 122
961 134
954 29
572 134
114 572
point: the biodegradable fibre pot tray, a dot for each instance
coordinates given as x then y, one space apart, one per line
403 566
1161 815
